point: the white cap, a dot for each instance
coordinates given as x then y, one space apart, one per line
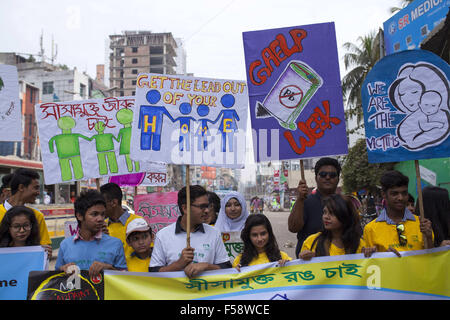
138 224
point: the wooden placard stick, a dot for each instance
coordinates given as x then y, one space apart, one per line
188 208
419 189
302 170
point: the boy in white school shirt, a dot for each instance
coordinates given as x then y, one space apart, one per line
207 251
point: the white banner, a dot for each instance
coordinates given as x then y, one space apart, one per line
187 120
87 139
10 109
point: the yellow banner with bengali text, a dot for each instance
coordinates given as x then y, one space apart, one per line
416 275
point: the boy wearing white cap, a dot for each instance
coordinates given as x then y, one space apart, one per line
139 237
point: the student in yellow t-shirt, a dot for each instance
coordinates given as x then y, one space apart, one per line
260 245
24 190
139 238
341 232
396 228
118 218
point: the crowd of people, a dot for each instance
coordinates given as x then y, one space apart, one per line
111 238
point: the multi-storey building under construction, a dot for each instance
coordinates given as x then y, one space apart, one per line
134 52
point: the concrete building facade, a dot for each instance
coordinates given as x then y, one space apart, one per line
134 52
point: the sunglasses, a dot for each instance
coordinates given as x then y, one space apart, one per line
323 174
401 237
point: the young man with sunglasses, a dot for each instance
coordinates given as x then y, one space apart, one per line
396 228
206 250
305 218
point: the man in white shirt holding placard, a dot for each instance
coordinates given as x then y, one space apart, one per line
206 250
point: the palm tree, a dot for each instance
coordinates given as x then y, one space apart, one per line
361 58
404 3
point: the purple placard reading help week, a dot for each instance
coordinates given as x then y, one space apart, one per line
295 92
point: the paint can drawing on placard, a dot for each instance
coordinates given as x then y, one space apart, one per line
292 91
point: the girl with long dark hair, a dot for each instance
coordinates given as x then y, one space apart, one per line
341 232
19 228
436 206
260 245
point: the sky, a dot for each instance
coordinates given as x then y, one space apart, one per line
211 29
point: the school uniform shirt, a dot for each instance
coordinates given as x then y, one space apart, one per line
382 233
260 259
170 241
118 229
103 248
136 264
312 218
43 231
333 250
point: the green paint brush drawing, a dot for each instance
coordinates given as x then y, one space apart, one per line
68 149
125 117
105 149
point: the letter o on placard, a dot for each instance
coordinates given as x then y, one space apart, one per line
168 97
227 87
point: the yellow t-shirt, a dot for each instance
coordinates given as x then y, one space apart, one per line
136 264
43 231
260 259
334 250
383 235
118 230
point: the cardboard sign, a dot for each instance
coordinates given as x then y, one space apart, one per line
295 92
158 209
10 108
15 264
188 120
406 107
87 139
233 244
56 285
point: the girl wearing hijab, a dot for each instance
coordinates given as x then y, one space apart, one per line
233 213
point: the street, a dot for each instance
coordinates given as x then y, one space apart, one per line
286 239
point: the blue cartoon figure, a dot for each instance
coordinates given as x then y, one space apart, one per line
203 130
151 121
228 123
185 126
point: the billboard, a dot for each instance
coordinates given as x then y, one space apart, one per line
411 25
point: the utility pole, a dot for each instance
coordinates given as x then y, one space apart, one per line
41 53
54 51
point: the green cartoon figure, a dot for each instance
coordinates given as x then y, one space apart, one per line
68 148
105 148
125 117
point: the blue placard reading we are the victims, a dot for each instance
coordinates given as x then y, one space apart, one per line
405 100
